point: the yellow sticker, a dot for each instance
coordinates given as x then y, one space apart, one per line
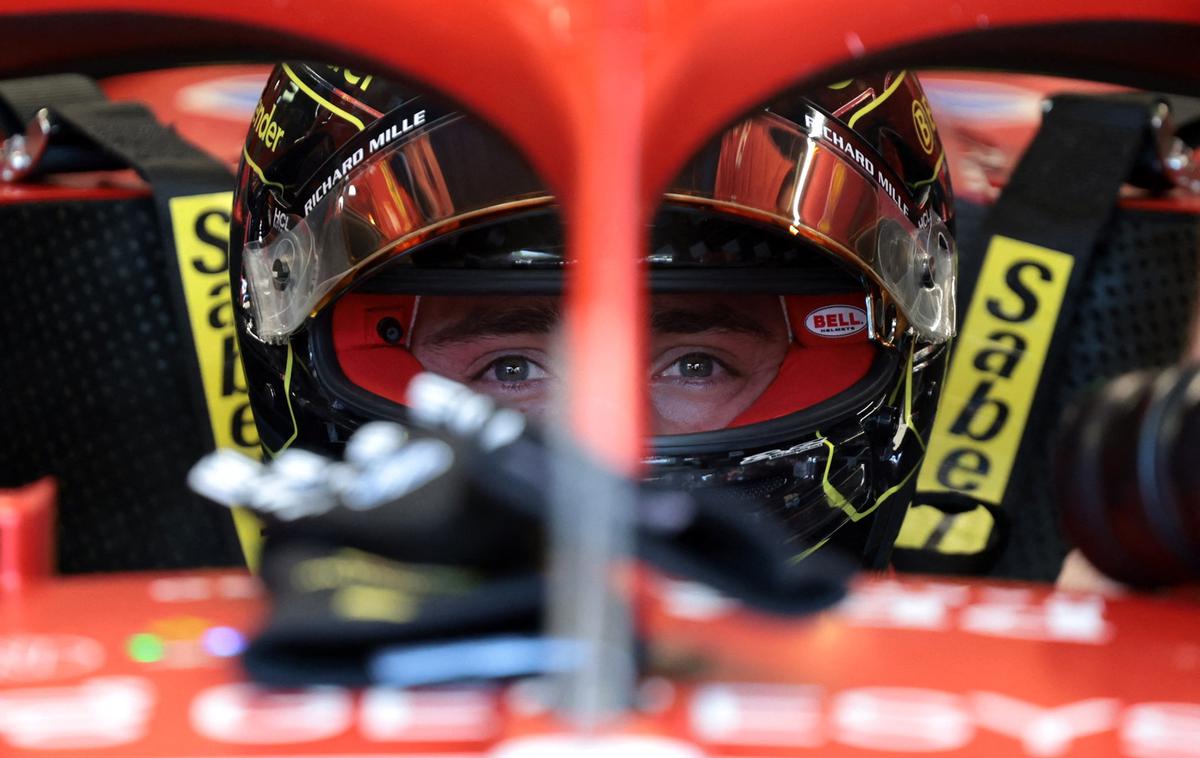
362 603
927 528
968 532
200 224
920 523
923 124
995 370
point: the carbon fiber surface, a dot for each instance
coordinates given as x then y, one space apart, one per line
93 388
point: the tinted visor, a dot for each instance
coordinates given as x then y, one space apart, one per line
398 184
406 181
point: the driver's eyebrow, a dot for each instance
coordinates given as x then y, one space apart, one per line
498 322
715 318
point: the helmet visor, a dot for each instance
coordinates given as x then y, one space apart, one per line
408 180
404 180
821 182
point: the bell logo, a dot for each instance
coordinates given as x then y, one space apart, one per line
836 321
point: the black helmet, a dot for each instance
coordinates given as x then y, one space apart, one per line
363 207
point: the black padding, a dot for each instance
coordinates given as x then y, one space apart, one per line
95 390
1132 312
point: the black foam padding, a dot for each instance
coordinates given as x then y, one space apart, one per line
93 388
1133 312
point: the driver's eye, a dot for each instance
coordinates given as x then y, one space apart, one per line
695 365
511 368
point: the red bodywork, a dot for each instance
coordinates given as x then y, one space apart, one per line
613 96
917 666
608 97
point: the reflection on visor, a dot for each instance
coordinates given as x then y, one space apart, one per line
400 187
397 188
820 182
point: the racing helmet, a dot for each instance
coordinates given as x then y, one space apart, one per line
360 200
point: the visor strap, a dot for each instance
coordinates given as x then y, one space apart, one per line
412 322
